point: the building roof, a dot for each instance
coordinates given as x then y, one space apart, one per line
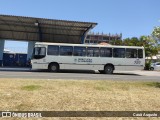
43 30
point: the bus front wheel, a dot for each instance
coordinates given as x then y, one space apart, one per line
53 67
108 69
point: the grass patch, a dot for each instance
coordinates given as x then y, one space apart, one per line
31 87
102 86
154 84
78 95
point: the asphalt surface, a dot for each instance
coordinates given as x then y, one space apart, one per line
25 73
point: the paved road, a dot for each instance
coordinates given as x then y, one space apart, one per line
80 75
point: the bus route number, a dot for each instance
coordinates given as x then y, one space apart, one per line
137 61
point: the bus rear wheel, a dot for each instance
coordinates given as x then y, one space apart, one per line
53 67
108 69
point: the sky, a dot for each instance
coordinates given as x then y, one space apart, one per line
132 18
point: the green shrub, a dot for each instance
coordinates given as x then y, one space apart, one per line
148 65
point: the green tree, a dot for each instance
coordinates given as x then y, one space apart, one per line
116 42
127 42
156 32
148 42
135 41
150 45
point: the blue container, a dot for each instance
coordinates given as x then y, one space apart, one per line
9 59
21 59
1 61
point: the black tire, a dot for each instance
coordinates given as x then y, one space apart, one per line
101 71
53 67
108 69
151 68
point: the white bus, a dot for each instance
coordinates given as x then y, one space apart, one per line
105 58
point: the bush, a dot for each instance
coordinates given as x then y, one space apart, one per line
147 65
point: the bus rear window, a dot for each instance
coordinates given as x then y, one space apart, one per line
140 53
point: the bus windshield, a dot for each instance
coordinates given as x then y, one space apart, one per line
39 52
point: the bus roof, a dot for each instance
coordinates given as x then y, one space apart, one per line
88 45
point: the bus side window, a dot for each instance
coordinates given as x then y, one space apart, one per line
92 52
53 50
106 52
119 52
131 53
140 53
66 50
79 51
